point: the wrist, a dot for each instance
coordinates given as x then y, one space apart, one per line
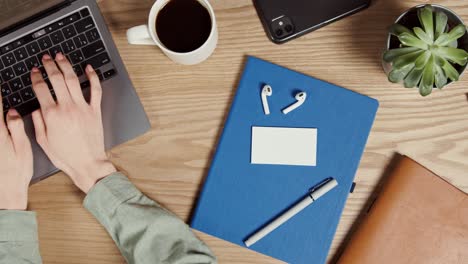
14 201
91 173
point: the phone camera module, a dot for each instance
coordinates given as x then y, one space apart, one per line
282 27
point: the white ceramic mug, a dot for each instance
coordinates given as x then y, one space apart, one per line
146 35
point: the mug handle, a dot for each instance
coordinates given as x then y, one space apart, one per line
139 35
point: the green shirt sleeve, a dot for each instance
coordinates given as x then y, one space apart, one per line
18 238
144 232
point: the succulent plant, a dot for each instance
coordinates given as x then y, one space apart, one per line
427 54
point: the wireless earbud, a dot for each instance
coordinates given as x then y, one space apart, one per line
300 97
266 91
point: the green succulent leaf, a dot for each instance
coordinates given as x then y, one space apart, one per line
422 60
454 34
391 55
439 60
441 24
427 81
412 41
450 71
453 44
413 78
397 75
440 77
397 29
422 35
427 20
458 56
407 59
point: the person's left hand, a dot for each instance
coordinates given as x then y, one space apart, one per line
16 162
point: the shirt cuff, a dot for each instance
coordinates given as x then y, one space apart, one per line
18 226
108 194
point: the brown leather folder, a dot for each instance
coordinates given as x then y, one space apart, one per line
418 218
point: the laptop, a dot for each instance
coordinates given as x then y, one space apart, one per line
31 28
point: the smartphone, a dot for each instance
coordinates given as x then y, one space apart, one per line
284 20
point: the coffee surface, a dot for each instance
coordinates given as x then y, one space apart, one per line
183 25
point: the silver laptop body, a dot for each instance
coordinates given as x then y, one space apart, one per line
123 115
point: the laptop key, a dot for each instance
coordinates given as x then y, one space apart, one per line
55 50
97 61
32 62
76 57
93 49
40 55
6 48
33 48
51 28
1 65
8 59
27 94
26 78
28 107
57 37
68 46
84 12
69 31
85 84
15 99
72 19
81 41
77 69
7 74
92 35
20 54
16 84
5 88
43 73
20 68
108 74
6 104
45 43
85 24
18 43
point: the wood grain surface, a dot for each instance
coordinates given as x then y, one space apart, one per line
187 106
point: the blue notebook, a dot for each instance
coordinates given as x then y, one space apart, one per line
239 197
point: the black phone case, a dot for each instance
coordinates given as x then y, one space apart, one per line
284 20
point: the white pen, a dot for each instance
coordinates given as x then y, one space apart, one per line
317 192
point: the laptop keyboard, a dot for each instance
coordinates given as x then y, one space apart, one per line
76 36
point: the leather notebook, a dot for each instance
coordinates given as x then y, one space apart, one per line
417 218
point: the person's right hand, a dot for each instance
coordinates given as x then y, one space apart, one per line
70 130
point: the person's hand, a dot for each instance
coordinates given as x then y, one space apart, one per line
16 162
70 130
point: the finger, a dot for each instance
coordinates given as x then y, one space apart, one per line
71 79
18 134
41 89
56 79
96 89
39 127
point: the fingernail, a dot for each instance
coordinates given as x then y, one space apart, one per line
89 68
13 113
59 56
46 57
35 69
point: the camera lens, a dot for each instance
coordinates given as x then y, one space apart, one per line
279 32
288 28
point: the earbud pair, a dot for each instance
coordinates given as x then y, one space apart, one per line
267 91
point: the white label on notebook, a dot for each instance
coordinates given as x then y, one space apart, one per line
284 146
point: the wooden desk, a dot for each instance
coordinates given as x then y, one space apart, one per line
187 106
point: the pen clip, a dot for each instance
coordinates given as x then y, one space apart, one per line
322 183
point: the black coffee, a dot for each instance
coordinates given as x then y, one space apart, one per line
183 25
